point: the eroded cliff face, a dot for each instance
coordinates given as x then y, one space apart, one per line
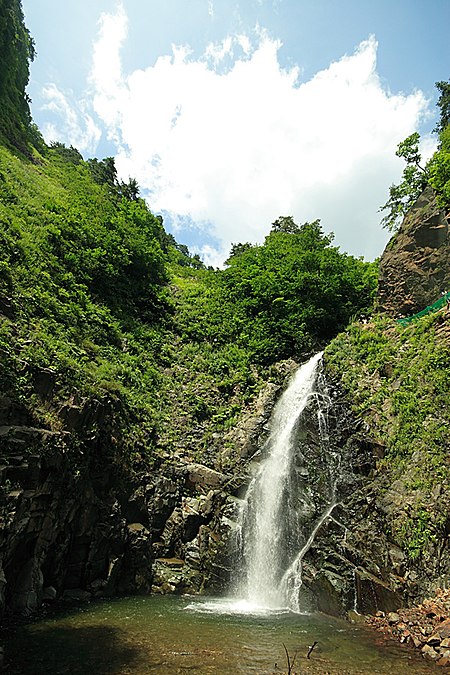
95 530
356 561
73 530
75 524
415 266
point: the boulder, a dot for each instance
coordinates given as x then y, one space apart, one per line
200 476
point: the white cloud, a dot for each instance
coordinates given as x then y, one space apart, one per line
109 86
75 126
236 149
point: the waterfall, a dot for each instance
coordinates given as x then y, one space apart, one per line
281 515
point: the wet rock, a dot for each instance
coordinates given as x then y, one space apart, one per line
27 591
12 413
2 590
168 576
77 594
136 564
49 594
355 617
70 531
248 436
135 509
44 381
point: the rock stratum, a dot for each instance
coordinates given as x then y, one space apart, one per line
414 268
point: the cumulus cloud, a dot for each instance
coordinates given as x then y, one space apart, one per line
232 140
73 123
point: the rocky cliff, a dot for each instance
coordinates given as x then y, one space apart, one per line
415 267
76 524
92 528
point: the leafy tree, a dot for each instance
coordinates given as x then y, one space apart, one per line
104 171
285 224
416 177
444 106
238 249
293 292
70 154
439 169
129 190
414 180
439 165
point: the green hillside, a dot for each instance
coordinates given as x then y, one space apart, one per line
96 294
398 380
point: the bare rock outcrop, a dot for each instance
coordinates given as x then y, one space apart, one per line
415 266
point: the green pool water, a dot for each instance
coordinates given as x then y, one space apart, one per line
170 635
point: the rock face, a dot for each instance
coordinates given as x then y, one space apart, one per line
94 531
75 525
87 529
415 266
66 532
353 564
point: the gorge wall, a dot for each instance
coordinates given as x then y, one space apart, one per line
78 522
94 531
75 525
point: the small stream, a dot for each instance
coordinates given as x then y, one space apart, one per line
169 635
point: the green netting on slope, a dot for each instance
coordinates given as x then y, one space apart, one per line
431 308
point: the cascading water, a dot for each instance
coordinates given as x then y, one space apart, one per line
280 515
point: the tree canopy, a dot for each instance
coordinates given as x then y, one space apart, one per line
292 292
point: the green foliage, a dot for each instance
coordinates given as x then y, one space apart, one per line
415 177
16 53
439 169
95 292
398 379
443 105
83 289
103 171
85 296
416 533
69 154
414 180
291 293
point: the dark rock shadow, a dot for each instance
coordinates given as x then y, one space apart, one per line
71 650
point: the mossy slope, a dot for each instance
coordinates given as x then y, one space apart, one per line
398 381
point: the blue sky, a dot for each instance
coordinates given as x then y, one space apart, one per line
231 113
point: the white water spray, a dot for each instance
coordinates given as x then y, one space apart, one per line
272 537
